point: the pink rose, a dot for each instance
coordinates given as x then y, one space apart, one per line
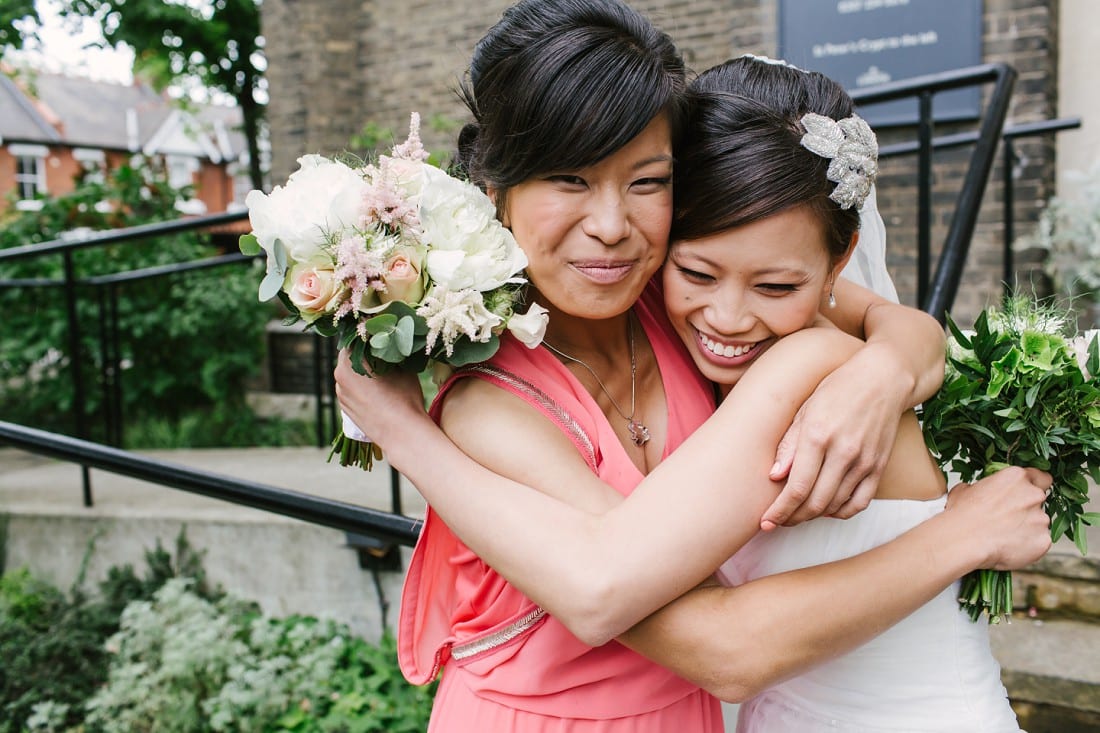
315 291
403 279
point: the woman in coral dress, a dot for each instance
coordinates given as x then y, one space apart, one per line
577 105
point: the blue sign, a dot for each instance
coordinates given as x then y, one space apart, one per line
862 43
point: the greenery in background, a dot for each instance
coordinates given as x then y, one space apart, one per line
189 343
52 644
1069 232
164 652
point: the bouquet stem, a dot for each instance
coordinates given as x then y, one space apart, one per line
353 452
987 591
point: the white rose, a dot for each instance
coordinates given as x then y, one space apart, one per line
468 246
320 199
530 327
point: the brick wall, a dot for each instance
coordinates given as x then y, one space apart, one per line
336 64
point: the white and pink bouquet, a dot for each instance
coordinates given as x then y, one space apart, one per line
406 265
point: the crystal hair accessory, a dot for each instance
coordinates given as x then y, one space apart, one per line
852 150
770 60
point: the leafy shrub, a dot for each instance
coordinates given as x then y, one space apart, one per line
183 664
185 340
165 652
52 643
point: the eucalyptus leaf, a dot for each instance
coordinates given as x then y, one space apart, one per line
249 245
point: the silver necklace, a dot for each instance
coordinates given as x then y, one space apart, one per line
639 433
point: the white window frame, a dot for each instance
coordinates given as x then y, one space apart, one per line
37 179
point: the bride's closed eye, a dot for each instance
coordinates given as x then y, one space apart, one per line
695 275
778 288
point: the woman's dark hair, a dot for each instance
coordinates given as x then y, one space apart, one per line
741 157
562 84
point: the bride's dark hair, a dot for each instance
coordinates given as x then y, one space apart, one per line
562 84
742 160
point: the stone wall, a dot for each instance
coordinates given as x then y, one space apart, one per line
337 64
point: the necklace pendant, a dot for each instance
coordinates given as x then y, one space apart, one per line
639 434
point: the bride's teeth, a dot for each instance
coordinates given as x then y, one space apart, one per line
728 350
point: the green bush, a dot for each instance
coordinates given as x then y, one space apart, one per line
52 644
165 652
185 665
185 341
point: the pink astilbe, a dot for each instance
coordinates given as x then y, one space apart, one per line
412 148
360 269
385 206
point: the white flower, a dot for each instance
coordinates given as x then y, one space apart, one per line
468 246
451 314
530 327
1080 347
319 201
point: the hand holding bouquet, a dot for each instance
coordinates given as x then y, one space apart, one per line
1018 391
403 263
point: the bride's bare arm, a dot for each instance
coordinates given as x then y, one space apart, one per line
833 456
735 642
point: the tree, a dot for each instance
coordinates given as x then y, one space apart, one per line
212 43
12 12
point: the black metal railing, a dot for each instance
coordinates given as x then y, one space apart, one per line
936 292
386 526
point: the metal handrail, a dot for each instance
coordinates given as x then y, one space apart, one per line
937 296
111 236
389 527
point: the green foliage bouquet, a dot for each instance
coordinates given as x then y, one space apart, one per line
403 263
1019 391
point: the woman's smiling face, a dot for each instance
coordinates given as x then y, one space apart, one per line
731 295
595 236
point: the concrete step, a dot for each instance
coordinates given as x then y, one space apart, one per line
1051 669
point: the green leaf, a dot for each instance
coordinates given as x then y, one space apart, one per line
959 336
249 245
1091 518
382 323
403 335
471 352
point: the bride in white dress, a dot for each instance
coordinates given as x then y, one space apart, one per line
933 671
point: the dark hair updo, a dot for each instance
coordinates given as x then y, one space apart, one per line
562 84
742 158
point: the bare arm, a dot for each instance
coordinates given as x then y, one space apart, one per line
833 455
735 642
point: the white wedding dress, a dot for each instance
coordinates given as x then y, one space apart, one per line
934 671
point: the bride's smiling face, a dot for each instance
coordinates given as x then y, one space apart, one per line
731 295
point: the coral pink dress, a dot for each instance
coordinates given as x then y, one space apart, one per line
509 667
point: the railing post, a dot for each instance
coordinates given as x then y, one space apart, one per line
1009 216
75 363
924 195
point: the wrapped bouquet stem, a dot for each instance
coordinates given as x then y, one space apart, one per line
1021 391
403 264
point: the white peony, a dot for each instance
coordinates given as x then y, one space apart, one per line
530 327
468 246
320 200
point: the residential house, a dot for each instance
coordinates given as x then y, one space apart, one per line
52 127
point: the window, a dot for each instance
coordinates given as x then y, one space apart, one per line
30 174
93 162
